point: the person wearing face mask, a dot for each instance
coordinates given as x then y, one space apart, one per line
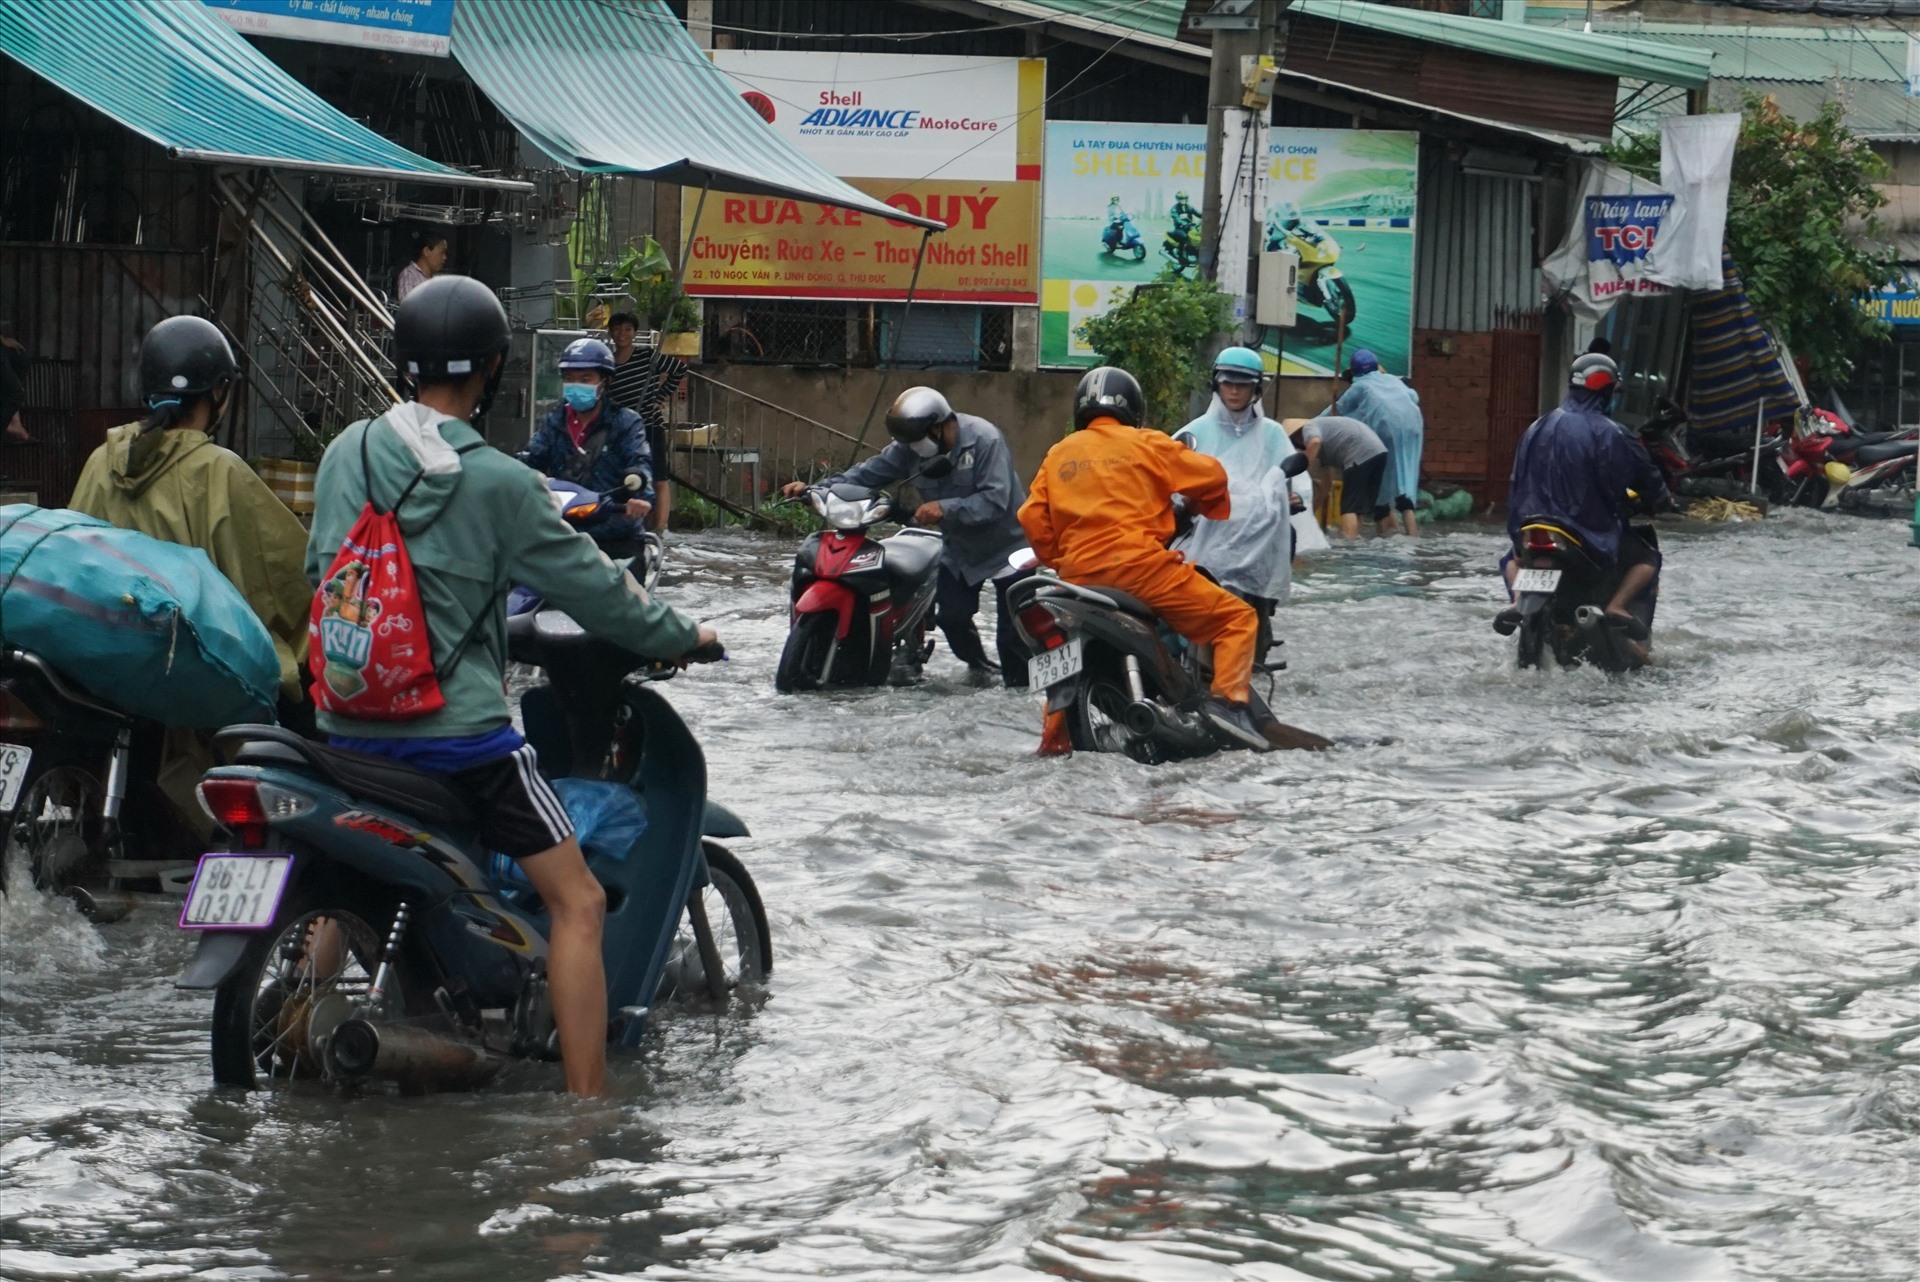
592 442
964 472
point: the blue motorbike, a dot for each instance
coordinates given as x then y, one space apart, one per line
352 928
1122 237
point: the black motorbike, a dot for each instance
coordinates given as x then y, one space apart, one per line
862 608
1561 593
355 930
1127 682
80 793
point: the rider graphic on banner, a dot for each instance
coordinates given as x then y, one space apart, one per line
1620 232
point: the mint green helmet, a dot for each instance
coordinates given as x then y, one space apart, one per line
1238 365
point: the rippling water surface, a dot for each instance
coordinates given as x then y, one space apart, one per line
1538 976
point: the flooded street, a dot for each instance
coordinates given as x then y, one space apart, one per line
1537 976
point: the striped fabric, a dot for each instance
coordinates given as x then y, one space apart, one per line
1734 365
619 87
180 76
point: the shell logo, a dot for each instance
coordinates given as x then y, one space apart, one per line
760 103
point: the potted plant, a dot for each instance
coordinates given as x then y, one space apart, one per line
647 275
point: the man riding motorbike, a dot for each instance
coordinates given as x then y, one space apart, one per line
1101 512
1577 468
1251 552
973 502
1184 215
476 523
589 440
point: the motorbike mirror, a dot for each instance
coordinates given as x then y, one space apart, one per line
1294 464
635 482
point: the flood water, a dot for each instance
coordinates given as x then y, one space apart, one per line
1537 976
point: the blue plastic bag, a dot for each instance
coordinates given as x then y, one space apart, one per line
145 625
607 818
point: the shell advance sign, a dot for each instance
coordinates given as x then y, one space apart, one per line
957 139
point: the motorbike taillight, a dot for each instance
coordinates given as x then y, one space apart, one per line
1039 623
1541 540
16 715
245 807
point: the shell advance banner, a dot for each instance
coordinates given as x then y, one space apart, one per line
957 139
1123 204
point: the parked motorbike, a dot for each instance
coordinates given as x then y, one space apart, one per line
1122 237
1831 465
351 931
1182 245
862 610
1127 682
1693 475
80 792
1561 593
1321 283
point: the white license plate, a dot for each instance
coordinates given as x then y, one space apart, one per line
1536 581
1050 667
236 892
14 760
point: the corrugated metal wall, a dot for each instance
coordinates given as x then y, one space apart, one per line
1474 247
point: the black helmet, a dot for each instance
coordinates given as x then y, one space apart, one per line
916 414
183 356
1109 392
449 327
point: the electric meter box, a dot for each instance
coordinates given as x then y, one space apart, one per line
1278 299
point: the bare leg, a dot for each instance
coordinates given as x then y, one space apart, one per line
662 506
1413 526
1349 526
1385 525
577 907
1512 572
1632 584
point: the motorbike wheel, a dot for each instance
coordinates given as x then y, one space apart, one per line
1139 253
740 932
1340 302
262 1015
1532 638
1096 719
803 660
57 830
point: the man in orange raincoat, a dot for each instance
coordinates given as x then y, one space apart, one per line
1100 513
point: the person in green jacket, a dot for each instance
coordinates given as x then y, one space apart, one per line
477 522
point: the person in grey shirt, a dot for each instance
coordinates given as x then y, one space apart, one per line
1354 448
973 502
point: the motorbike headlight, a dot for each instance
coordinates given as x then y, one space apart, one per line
845 514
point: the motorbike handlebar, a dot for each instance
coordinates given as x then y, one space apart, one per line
712 652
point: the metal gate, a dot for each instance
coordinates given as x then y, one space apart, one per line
1515 394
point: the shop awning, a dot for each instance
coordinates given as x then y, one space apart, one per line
175 73
619 87
1736 369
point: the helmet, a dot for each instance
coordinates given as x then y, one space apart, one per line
449 327
1364 362
1109 392
183 356
916 414
1593 372
1180 196
1238 365
588 353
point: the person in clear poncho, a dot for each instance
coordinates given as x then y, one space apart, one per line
1392 409
1250 553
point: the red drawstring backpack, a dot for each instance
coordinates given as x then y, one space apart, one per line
367 642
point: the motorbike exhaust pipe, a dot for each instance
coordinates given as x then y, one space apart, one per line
361 1049
1589 617
1141 718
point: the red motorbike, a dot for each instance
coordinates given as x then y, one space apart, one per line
1830 465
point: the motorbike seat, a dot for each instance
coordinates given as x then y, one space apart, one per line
375 780
1125 600
1882 451
911 555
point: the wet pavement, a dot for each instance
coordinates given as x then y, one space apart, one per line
1572 977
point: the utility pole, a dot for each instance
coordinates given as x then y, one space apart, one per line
1236 34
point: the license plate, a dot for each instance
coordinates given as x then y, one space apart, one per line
236 892
13 772
1050 667
1536 581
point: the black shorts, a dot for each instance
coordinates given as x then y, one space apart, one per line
1635 550
657 446
519 813
1359 484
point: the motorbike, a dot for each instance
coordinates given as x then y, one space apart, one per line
1122 237
1833 466
353 930
862 608
1690 474
80 794
1321 283
1127 682
1561 592
1182 245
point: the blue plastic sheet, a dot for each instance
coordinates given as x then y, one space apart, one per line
142 624
607 819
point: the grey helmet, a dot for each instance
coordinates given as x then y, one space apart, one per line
1109 392
1593 372
916 414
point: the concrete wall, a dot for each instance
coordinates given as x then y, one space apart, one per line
1453 372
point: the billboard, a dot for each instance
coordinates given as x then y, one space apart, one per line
403 26
1621 231
1343 199
957 139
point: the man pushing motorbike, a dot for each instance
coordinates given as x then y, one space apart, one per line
964 471
1580 470
1101 512
475 522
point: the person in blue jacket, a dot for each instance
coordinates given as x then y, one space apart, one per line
1578 468
1392 409
591 441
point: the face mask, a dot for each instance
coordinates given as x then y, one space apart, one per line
581 396
925 447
